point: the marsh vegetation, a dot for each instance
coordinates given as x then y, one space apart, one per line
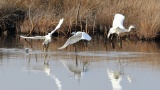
91 16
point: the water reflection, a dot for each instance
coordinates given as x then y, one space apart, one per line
115 78
118 75
49 73
47 70
123 68
77 69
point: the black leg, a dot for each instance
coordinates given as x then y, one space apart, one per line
120 43
46 46
76 60
75 48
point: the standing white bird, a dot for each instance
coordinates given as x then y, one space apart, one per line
75 38
117 26
47 38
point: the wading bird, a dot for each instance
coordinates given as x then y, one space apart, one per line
117 25
77 36
47 38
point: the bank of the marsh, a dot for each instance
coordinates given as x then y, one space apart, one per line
92 16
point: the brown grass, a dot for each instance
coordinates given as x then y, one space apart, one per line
91 16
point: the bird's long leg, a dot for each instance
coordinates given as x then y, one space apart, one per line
113 45
127 39
45 58
113 41
111 38
85 43
76 60
44 47
75 48
47 47
120 43
119 40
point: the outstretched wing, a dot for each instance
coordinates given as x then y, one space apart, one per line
58 26
118 21
71 40
85 36
35 37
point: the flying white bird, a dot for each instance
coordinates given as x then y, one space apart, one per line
117 26
75 38
47 38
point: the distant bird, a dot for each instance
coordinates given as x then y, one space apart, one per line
47 38
77 36
117 26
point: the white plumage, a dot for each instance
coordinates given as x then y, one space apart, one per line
47 38
75 38
117 25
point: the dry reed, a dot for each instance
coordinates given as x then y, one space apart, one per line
93 16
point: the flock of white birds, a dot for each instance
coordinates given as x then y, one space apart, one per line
117 28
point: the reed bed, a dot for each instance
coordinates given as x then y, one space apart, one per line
92 16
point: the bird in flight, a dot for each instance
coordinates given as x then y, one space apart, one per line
47 38
117 25
77 36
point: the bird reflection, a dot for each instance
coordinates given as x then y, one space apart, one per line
77 69
46 69
115 78
129 78
53 76
46 61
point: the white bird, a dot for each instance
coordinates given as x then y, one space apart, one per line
117 25
47 38
77 36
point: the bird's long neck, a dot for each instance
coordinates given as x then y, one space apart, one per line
50 34
129 29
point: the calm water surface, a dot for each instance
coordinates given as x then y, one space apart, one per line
135 66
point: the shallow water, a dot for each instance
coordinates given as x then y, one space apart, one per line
135 66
